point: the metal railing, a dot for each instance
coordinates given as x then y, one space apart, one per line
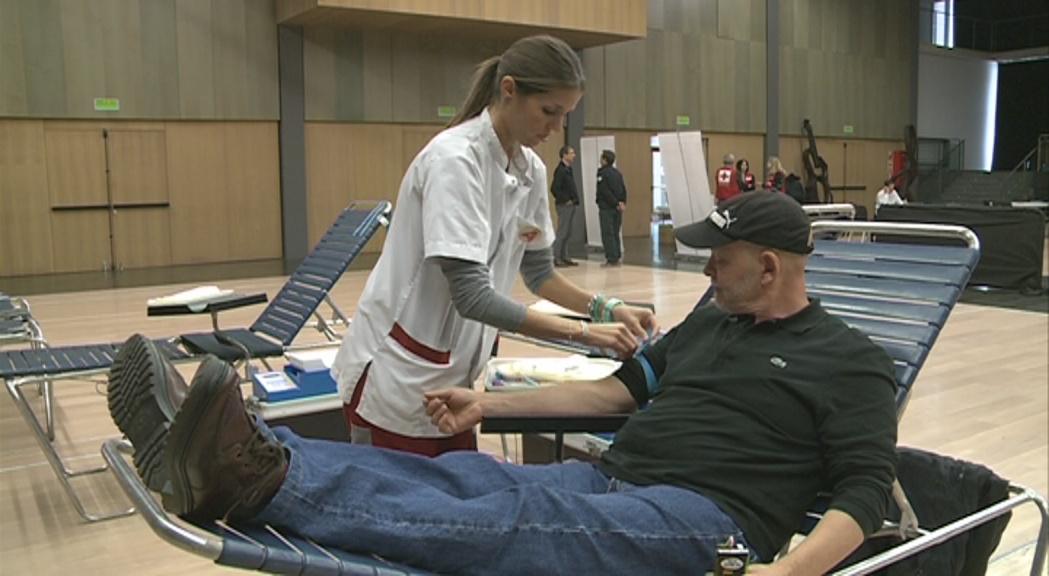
940 162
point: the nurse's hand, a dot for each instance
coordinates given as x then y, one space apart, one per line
641 321
453 410
612 337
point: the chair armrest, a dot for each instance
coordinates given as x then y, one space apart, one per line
557 425
534 424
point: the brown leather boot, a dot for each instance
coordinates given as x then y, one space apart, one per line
220 464
144 393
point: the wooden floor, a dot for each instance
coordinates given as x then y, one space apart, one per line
982 396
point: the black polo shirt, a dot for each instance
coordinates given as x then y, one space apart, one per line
758 417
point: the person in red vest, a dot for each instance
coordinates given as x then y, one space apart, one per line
728 182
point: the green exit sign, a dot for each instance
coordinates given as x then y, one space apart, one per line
445 111
107 104
847 129
683 120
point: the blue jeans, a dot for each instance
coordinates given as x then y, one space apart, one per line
467 513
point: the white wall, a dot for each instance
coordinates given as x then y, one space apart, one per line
957 96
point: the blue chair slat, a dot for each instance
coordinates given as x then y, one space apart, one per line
907 352
953 275
312 275
171 350
933 314
940 293
891 330
922 254
256 547
280 325
12 363
905 376
302 294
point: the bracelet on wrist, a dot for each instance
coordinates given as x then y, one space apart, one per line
609 305
594 306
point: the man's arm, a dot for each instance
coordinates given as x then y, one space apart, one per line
834 537
455 410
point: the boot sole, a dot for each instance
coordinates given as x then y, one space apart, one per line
138 405
211 382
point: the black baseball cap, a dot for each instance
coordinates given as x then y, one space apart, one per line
767 219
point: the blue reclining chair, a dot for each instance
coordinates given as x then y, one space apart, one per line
900 295
282 320
279 324
876 287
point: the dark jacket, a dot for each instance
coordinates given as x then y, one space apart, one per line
942 490
610 188
563 187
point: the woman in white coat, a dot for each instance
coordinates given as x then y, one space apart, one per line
472 213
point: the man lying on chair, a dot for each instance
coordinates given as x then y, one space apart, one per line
754 405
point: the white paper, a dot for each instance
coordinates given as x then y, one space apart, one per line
572 368
310 360
193 295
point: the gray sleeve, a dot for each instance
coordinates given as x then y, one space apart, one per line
474 297
537 267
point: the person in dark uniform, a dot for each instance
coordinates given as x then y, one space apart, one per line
566 198
611 202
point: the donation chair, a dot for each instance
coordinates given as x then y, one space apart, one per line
900 295
279 324
282 320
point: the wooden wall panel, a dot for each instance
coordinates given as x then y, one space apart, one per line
141 237
252 190
351 162
80 240
76 167
208 59
84 66
195 60
196 188
373 76
841 63
159 54
25 211
137 166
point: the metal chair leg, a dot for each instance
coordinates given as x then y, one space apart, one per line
63 472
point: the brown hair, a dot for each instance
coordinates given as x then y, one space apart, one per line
538 64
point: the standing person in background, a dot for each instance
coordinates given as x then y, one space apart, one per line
566 198
611 202
472 214
887 195
777 176
743 176
727 179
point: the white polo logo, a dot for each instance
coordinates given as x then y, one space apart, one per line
722 221
778 362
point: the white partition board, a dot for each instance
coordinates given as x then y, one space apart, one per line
688 185
590 148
